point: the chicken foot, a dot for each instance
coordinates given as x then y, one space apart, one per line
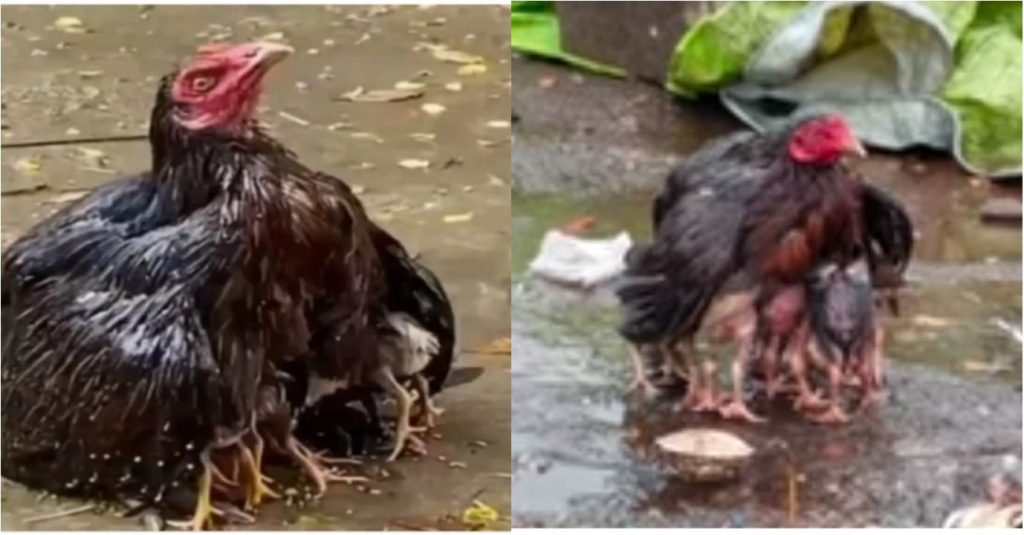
640 381
311 463
257 484
428 411
734 407
403 428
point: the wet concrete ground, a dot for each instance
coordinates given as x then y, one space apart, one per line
59 85
592 146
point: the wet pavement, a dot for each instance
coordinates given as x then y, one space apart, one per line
454 213
581 446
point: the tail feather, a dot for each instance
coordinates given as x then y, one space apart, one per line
653 310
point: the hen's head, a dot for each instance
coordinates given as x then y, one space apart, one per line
221 85
823 140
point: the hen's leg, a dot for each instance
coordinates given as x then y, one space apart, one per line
257 481
736 407
640 381
773 383
403 429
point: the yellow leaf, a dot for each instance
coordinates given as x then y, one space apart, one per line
70 25
454 56
479 515
454 87
472 70
498 346
29 164
458 218
405 85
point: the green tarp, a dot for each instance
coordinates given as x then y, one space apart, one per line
940 74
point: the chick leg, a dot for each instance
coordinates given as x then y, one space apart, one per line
708 397
203 516
320 475
834 414
735 407
773 382
427 407
404 431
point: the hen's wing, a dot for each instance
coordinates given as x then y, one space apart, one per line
111 381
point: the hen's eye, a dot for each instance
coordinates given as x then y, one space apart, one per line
202 83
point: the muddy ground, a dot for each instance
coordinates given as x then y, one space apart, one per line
593 146
61 84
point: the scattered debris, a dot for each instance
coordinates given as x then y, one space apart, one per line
414 164
472 70
60 514
479 515
459 218
293 118
366 136
432 108
580 262
454 87
423 137
70 25
406 85
29 164
498 346
379 95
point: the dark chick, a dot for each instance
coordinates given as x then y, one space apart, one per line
845 340
738 222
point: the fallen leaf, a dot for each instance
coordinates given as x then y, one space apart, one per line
472 70
454 87
340 125
89 74
358 190
977 366
406 85
498 346
498 124
487 143
380 95
422 136
276 36
458 218
366 136
931 322
93 158
293 118
495 180
455 56
479 515
414 164
70 25
579 225
433 109
29 164
67 197
72 131
363 166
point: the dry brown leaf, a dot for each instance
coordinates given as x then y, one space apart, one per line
455 56
366 136
472 70
29 164
458 218
414 163
454 87
930 322
498 346
432 108
379 95
406 85
70 25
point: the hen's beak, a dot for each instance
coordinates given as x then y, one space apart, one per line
856 148
270 54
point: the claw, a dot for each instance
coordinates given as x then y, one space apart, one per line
834 415
737 409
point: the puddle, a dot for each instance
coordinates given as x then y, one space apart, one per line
580 447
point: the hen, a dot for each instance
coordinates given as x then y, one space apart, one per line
738 227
